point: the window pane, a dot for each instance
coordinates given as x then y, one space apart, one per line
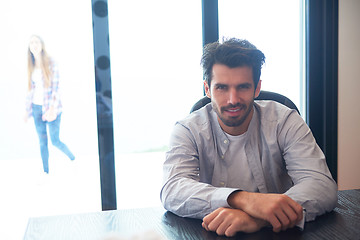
275 27
71 186
155 54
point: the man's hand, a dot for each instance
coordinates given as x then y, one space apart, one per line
227 221
278 209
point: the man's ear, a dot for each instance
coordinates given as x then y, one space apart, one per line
207 89
257 90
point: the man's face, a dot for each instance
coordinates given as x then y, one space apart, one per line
232 94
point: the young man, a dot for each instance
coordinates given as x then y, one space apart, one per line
241 164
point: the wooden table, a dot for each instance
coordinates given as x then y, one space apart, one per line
342 223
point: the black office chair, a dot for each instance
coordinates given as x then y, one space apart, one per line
264 95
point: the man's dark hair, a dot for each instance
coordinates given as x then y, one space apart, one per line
232 53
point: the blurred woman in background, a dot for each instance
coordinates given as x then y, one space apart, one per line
43 99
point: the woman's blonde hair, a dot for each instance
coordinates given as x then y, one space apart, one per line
45 64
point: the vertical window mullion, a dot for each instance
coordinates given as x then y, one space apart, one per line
104 110
322 76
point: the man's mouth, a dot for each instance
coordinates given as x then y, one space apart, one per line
234 111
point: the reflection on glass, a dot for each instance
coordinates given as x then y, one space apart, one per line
156 78
43 101
71 186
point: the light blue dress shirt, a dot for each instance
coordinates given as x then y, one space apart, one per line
281 152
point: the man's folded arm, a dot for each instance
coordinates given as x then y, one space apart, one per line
193 199
182 192
314 188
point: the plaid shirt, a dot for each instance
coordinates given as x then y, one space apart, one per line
51 96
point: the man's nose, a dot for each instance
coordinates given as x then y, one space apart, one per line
233 98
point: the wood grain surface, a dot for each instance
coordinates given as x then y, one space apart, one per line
158 224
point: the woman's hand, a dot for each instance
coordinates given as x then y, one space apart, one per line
26 117
50 115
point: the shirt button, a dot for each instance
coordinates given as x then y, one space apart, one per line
226 141
222 156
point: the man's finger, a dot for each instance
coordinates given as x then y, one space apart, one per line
275 223
222 227
205 226
208 218
298 209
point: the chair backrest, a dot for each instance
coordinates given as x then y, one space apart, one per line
264 95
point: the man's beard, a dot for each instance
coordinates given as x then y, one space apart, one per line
234 122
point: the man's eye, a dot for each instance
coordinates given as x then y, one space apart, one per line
244 87
221 87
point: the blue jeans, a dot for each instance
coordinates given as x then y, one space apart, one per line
54 130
